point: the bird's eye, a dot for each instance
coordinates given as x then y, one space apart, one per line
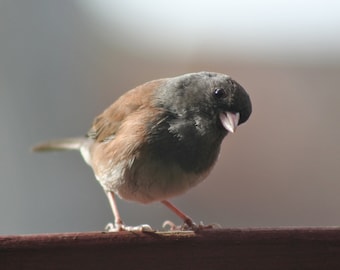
219 93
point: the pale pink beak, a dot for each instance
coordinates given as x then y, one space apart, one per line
229 120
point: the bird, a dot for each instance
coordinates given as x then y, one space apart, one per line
160 139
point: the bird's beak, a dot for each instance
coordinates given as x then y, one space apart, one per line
229 120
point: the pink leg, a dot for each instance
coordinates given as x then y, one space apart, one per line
187 220
118 221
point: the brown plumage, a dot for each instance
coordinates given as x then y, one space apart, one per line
160 138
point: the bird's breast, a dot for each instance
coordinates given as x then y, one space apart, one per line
150 179
174 157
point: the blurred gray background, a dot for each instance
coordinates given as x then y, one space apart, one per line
63 62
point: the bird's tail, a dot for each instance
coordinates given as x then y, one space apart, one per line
61 144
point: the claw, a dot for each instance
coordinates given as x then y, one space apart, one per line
120 227
192 227
172 226
111 228
212 226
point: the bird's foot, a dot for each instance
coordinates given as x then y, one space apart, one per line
189 225
121 228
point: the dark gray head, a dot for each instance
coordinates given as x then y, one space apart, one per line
211 95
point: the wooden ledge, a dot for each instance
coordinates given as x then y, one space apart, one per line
259 248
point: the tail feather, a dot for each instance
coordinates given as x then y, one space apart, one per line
60 145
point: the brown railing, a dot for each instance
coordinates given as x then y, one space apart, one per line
272 248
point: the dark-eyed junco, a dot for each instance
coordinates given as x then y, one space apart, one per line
161 138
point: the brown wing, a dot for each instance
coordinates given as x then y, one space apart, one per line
106 125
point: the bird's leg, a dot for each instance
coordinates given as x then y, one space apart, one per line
187 220
118 222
